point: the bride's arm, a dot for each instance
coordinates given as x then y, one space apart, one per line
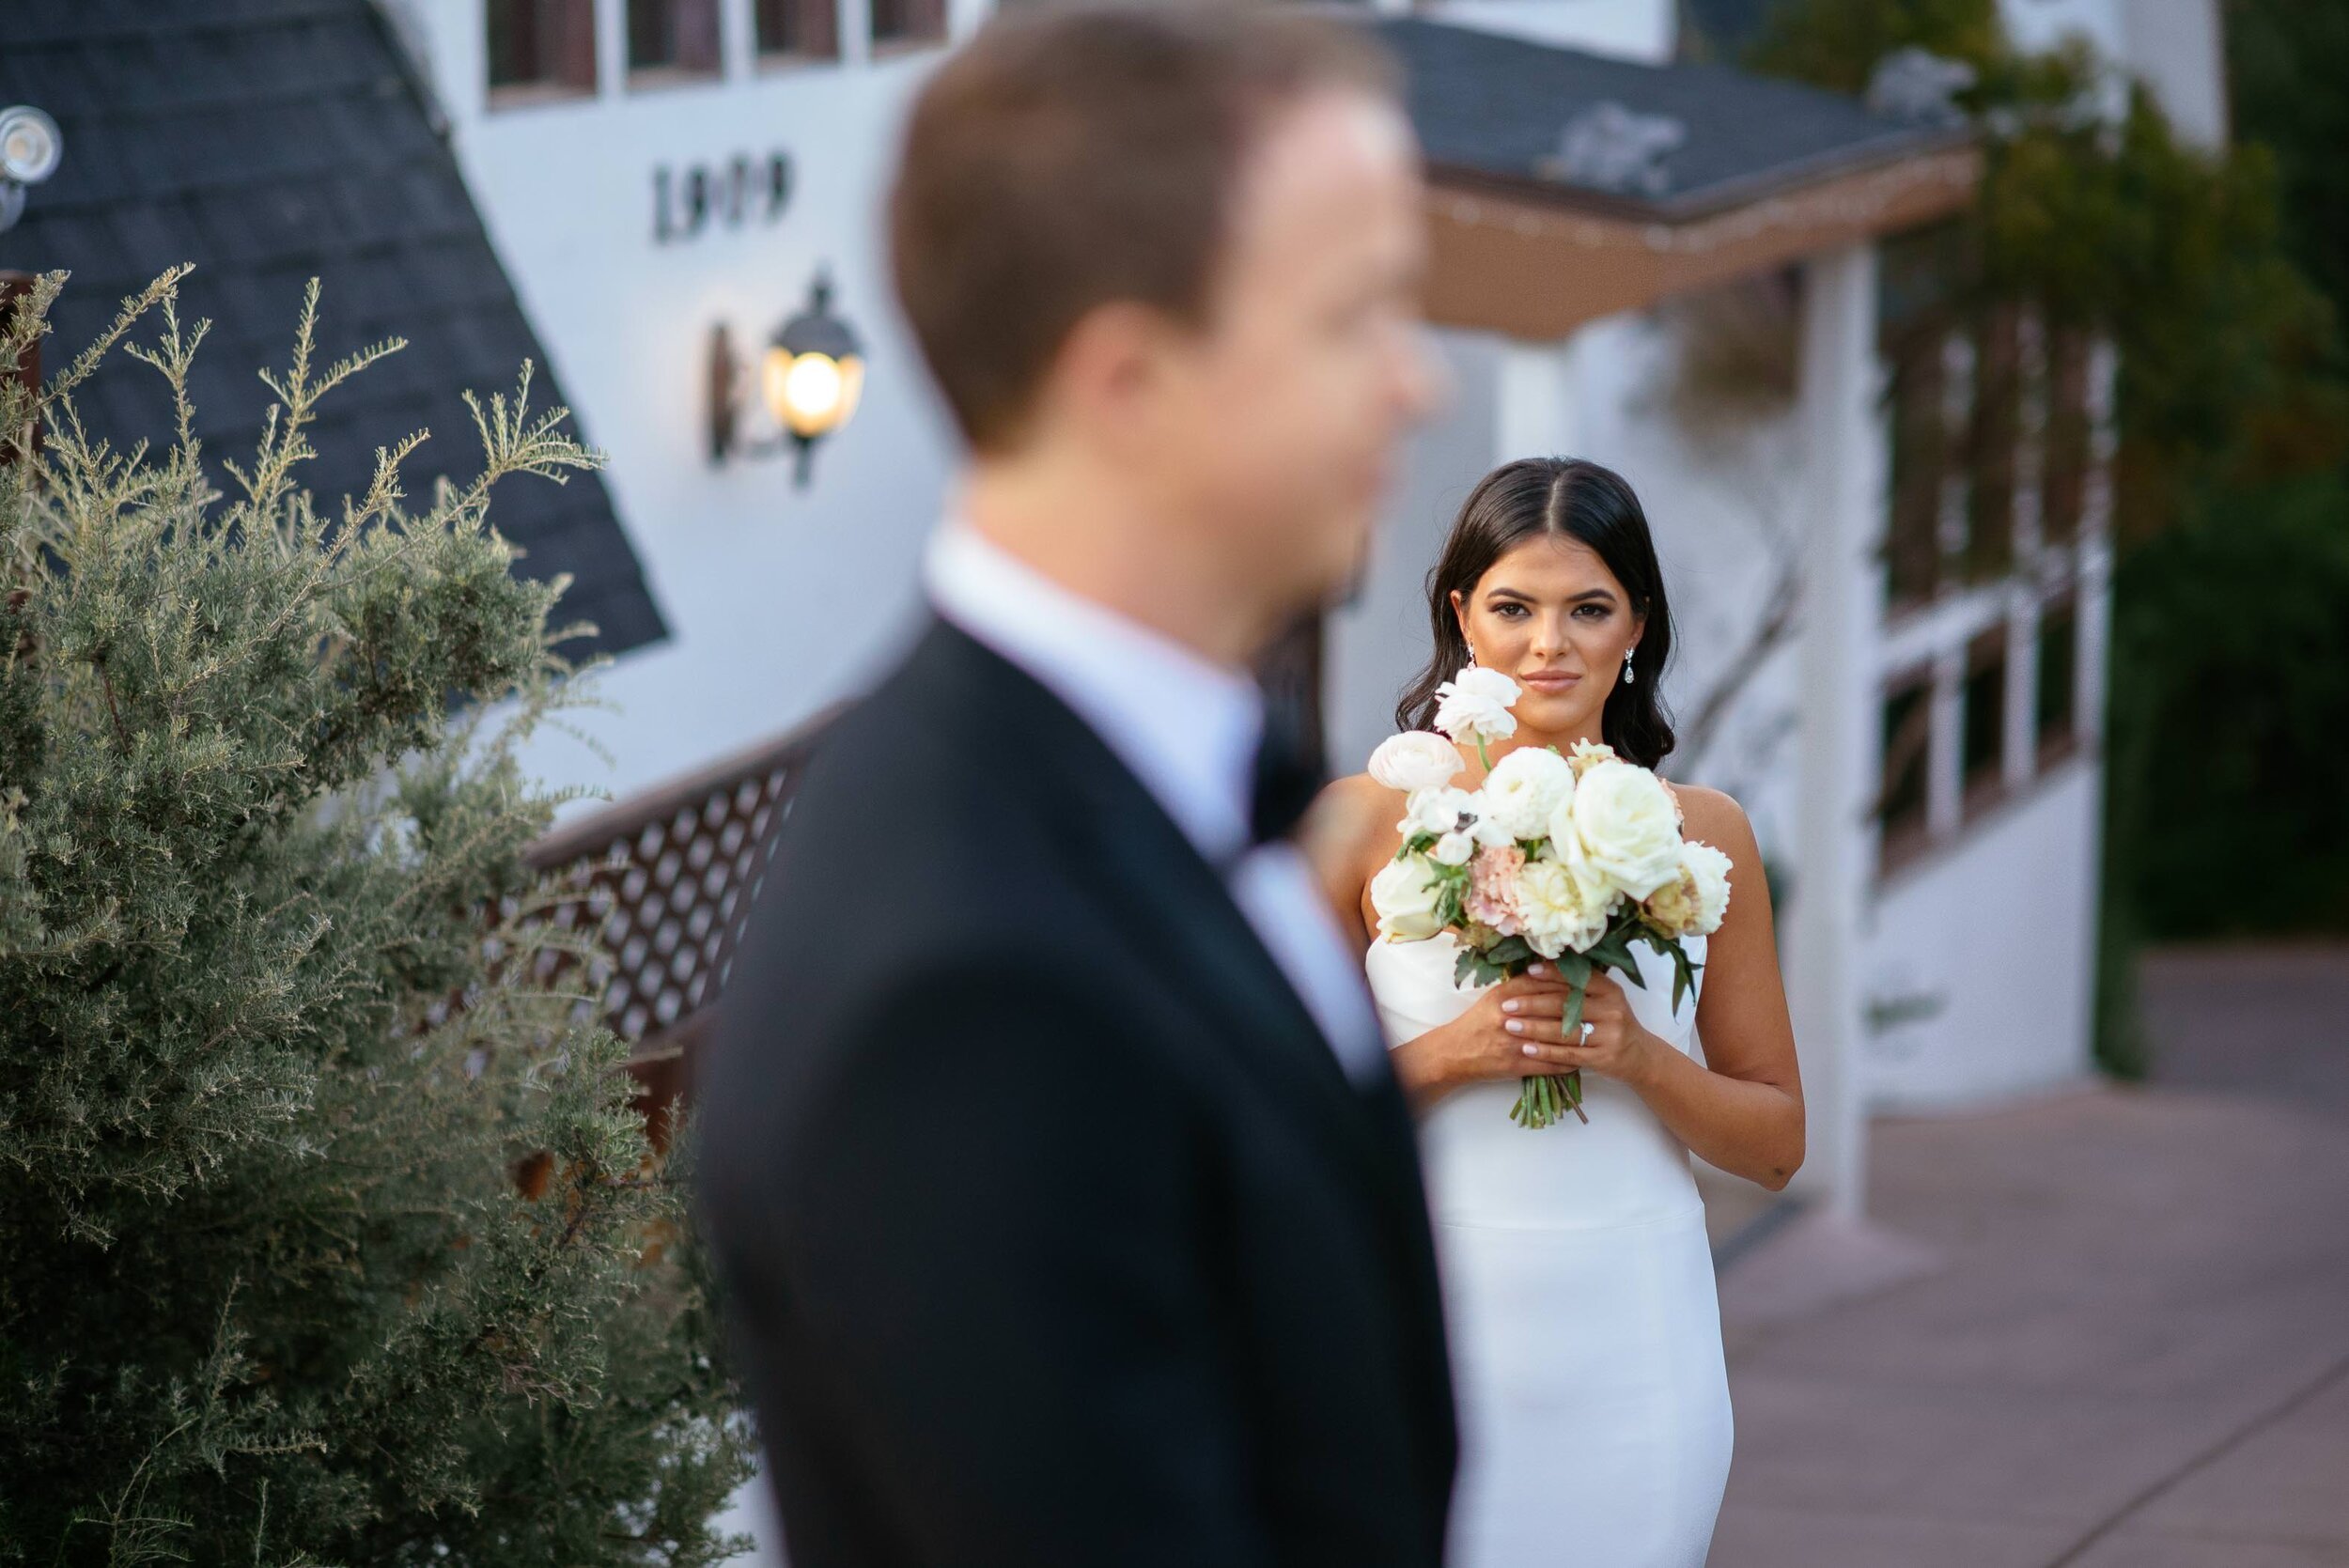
1740 1109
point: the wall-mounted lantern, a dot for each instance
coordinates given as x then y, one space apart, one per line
810 377
30 145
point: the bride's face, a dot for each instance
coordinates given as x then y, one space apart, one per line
1549 616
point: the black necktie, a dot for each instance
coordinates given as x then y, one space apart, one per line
1287 776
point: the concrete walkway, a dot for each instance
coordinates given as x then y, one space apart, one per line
2106 1330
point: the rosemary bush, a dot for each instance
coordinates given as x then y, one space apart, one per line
272 1050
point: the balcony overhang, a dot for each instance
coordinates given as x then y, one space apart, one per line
1535 262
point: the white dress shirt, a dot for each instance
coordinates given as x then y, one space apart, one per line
1188 729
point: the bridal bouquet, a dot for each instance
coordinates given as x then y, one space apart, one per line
1560 858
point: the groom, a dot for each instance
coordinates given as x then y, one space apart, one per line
1068 1212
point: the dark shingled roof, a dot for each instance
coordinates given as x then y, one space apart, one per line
270 141
1493 108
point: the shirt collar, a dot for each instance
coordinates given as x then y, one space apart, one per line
1184 726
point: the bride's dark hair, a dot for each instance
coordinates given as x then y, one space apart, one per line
1566 497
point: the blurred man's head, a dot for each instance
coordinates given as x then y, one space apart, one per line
1180 247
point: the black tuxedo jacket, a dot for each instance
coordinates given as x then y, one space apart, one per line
1052 1233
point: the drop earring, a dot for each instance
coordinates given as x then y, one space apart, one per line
1630 677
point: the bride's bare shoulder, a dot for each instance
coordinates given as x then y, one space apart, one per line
1713 817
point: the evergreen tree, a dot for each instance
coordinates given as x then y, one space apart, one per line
332 1234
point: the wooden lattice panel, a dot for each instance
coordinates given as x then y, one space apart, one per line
666 882
662 883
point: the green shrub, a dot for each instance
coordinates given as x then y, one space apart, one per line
2231 710
274 1293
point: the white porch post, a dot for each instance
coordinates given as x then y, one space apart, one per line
2096 559
1537 408
1840 658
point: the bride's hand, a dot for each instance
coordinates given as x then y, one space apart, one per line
1612 1042
1478 1045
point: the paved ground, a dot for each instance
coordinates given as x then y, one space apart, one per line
2108 1329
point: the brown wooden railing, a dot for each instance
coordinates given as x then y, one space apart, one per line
664 880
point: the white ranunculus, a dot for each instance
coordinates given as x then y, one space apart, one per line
1415 760
1561 911
1406 894
1586 753
1625 818
1453 849
1438 811
1707 868
1525 788
1489 830
1475 704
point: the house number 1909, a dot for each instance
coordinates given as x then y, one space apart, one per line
742 189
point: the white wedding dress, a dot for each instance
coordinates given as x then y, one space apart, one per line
1586 1337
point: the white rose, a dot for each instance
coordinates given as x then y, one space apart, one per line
1566 847
1475 703
1624 817
1561 829
1525 787
1561 911
1453 849
1438 811
1405 892
1415 760
1707 869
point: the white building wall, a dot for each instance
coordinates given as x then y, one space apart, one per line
2175 47
778 601
2036 24
1979 969
1645 30
1379 639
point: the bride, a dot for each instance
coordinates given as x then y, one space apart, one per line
1585 1330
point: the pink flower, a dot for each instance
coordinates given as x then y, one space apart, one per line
1492 895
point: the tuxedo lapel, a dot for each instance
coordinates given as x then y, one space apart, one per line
1155 882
